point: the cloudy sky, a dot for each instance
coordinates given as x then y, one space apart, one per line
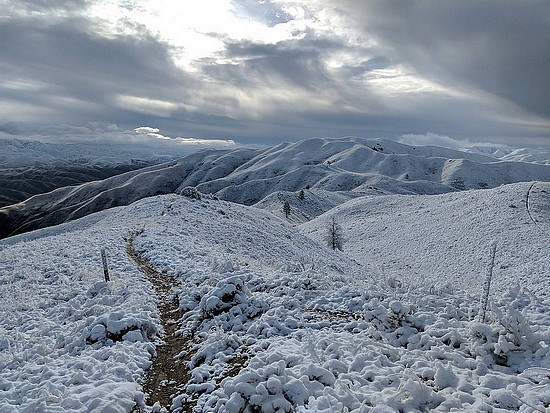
273 70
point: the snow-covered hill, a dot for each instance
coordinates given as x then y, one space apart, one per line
504 153
349 166
440 240
271 320
16 153
65 204
30 167
19 184
355 164
54 300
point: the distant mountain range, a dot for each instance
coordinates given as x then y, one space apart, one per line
333 169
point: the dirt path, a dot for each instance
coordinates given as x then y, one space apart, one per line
167 376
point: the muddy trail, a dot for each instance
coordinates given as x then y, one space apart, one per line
167 376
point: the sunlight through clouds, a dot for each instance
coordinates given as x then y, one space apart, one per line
194 30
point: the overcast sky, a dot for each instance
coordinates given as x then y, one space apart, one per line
274 70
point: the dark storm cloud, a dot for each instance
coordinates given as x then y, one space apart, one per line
300 67
68 59
297 63
500 47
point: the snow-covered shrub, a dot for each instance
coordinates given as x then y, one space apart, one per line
191 192
107 328
218 346
504 399
444 376
507 340
386 316
224 266
229 306
517 328
272 388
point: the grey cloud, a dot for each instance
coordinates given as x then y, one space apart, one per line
69 62
300 65
72 74
47 5
379 62
293 62
499 47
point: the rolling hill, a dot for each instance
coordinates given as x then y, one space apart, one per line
348 166
444 240
269 319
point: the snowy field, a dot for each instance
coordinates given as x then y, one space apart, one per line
276 320
444 240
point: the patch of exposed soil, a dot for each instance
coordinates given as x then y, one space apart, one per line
168 375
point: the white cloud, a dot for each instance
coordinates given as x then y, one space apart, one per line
432 139
206 142
143 136
146 130
194 142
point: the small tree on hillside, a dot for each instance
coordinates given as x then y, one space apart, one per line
286 208
335 237
301 195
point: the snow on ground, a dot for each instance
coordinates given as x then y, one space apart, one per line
313 339
432 241
68 340
302 209
278 321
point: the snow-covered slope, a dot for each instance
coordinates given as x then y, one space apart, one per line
72 202
313 203
344 164
431 241
19 184
55 354
272 320
16 153
505 153
247 176
29 167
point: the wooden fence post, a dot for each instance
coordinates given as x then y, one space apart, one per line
487 286
105 267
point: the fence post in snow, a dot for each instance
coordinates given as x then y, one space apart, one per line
105 267
487 286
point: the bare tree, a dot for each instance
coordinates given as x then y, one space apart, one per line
335 237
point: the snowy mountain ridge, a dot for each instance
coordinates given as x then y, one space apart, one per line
533 155
15 152
352 166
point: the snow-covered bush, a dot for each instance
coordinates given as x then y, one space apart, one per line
230 294
271 388
191 192
507 340
229 306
